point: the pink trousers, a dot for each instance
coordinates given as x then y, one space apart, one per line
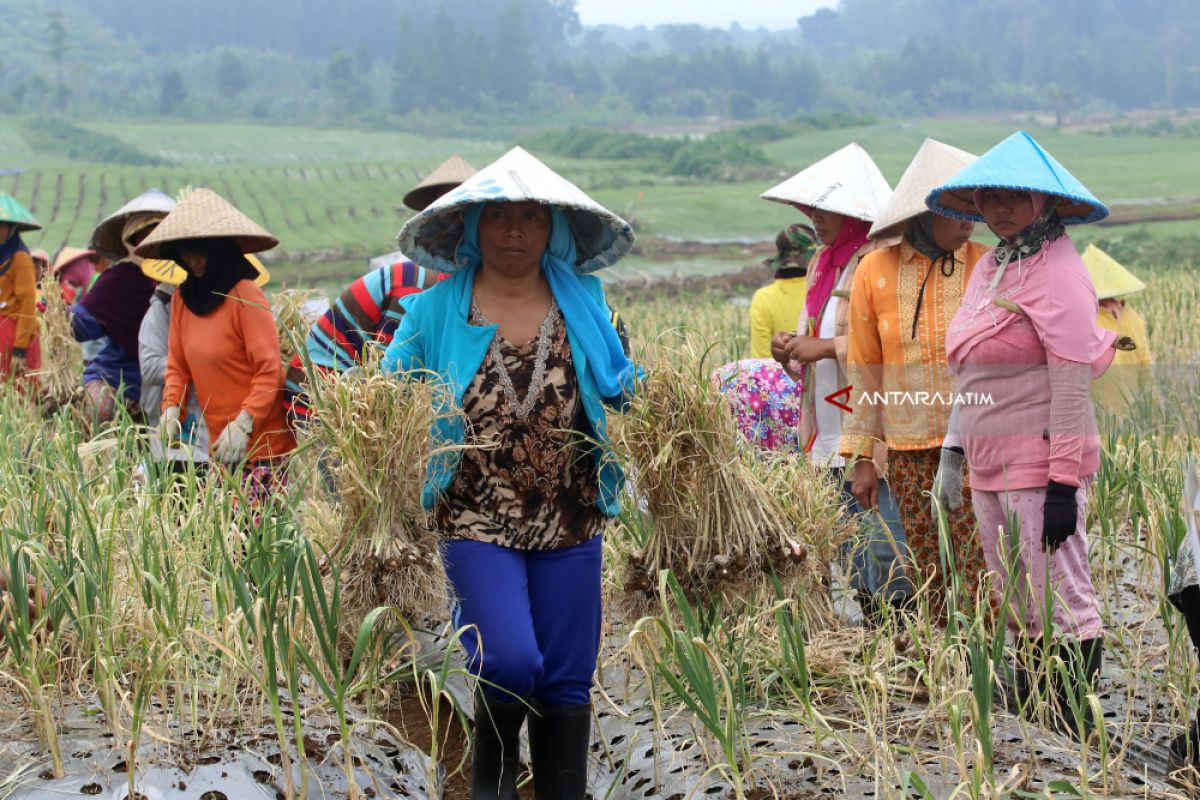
1074 610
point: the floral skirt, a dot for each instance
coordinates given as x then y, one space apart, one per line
765 402
910 473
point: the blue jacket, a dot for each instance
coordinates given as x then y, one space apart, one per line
112 364
435 335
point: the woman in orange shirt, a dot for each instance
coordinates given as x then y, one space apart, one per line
223 340
19 348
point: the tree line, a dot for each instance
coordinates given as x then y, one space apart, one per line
391 61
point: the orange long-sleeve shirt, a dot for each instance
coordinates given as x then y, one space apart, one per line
885 357
18 297
232 357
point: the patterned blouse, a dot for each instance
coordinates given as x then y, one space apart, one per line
532 484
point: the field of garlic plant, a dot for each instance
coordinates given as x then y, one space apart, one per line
163 639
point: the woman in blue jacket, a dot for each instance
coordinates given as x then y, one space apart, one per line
525 344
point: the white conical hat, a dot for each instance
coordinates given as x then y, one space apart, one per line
106 239
431 238
846 182
934 164
204 214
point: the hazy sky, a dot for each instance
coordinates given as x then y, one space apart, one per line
748 13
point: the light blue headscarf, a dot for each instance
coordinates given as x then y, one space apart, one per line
587 321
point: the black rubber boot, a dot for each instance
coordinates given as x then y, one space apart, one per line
496 752
559 737
1018 691
1083 671
1184 750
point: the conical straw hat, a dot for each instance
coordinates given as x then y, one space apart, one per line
1018 162
106 239
16 214
67 255
165 271
846 182
934 164
204 214
1109 277
450 174
431 238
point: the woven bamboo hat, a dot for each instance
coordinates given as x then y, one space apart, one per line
846 182
106 239
204 214
17 215
164 271
431 238
453 171
1021 163
68 255
934 164
1108 276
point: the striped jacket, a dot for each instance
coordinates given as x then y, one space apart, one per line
367 312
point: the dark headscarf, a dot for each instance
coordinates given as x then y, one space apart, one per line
796 244
118 300
919 234
226 266
9 249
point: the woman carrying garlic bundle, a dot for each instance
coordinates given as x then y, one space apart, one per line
521 337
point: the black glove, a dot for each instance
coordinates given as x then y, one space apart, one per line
1058 517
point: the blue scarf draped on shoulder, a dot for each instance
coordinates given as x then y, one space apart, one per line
588 322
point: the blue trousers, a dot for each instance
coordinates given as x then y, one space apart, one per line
874 567
536 618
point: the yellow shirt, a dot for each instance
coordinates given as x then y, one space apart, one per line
775 308
1129 373
887 361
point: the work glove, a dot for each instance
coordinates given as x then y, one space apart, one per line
234 441
1058 515
948 482
169 428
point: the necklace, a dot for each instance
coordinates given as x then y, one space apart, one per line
522 408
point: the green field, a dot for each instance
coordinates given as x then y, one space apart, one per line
333 196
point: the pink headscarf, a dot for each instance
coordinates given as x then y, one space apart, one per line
830 263
1038 199
78 271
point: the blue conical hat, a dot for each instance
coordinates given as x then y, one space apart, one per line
1017 163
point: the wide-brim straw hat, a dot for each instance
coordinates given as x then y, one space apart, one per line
934 164
106 239
1020 163
204 214
1108 276
17 215
38 254
846 182
453 171
69 255
431 238
164 271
